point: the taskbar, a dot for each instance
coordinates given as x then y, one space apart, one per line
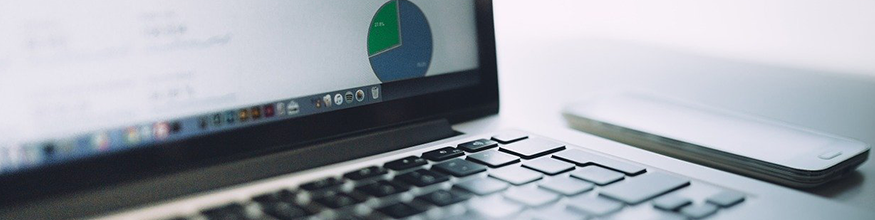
29 155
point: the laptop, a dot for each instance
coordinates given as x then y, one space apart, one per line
367 109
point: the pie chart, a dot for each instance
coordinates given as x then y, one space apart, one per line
399 41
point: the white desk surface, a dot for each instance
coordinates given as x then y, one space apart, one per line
541 72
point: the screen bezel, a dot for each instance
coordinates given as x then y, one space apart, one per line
454 105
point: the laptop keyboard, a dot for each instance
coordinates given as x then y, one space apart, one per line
509 176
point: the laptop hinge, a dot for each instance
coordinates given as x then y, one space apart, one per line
151 191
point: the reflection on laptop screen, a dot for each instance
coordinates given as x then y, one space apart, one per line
85 79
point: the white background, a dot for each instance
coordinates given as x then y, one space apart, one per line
825 35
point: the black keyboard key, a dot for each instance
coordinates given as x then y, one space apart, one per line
644 187
442 154
582 158
400 210
405 163
422 177
322 184
444 197
477 145
459 168
383 188
282 195
509 136
283 210
548 165
532 148
364 173
227 212
338 200
493 158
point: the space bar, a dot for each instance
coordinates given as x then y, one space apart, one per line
644 187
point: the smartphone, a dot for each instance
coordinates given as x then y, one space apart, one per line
723 139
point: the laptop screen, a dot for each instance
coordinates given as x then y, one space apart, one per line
82 79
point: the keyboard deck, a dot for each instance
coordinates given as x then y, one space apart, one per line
511 175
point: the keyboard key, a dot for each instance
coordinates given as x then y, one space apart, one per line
726 198
493 208
582 158
493 158
531 196
442 154
548 165
699 211
594 205
567 186
644 187
477 145
509 136
532 148
405 163
515 175
400 210
422 177
364 173
323 193
671 202
383 188
459 168
322 184
483 186
228 212
338 200
444 197
282 195
597 175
